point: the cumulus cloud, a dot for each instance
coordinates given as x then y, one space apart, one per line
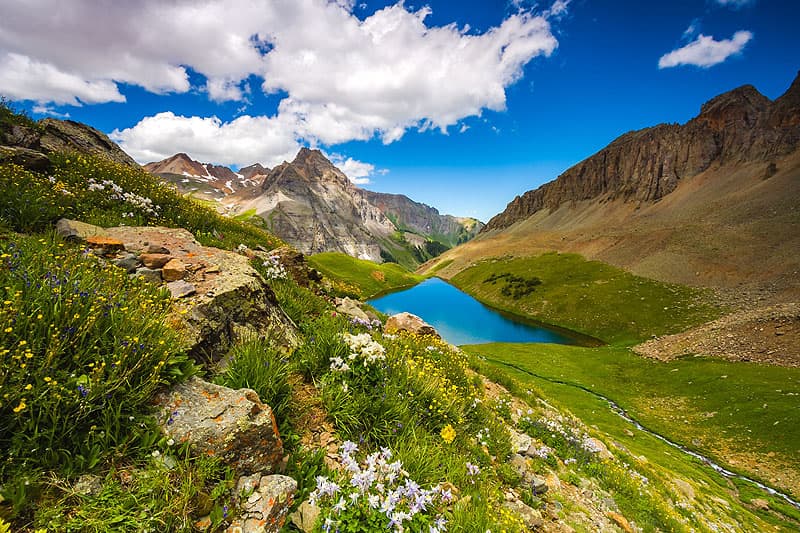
359 172
706 52
340 78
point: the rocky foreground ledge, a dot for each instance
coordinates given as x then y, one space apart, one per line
221 297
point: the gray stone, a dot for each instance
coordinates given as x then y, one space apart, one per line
538 484
156 249
305 517
130 264
531 517
520 442
181 289
264 505
232 425
149 274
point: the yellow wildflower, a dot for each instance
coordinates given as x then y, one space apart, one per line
448 434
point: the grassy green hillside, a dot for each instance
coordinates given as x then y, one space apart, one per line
362 278
746 416
590 297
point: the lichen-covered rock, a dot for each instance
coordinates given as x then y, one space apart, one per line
410 324
233 425
231 299
266 502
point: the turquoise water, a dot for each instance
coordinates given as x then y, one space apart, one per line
461 319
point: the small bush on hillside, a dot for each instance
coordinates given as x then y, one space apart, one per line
82 349
515 286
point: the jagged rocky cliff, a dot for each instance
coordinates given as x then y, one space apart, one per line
423 219
644 166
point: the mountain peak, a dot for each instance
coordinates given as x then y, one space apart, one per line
743 102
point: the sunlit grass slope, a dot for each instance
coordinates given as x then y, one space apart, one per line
586 296
747 416
361 278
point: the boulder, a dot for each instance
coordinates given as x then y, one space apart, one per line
410 324
148 274
155 260
350 307
530 516
230 424
232 303
73 230
265 503
174 270
520 442
29 159
597 447
108 244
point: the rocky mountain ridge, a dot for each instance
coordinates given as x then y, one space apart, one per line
313 205
644 166
211 181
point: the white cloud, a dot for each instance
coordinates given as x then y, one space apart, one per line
46 110
358 171
705 52
24 78
463 128
343 78
243 141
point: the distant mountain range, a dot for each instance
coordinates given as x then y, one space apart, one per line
314 206
713 202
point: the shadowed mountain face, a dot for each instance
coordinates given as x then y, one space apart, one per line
713 202
313 205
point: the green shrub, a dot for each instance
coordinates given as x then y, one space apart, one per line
299 303
258 365
323 342
82 349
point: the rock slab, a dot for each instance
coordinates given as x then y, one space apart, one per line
233 425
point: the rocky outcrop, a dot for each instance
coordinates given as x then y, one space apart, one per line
423 219
646 165
34 141
408 323
232 425
222 297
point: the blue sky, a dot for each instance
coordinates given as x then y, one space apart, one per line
458 104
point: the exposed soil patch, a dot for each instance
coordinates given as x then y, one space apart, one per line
769 334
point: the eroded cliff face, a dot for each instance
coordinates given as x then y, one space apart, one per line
644 166
424 219
312 205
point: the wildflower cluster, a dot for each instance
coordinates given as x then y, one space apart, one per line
115 192
273 268
377 495
366 324
363 350
80 345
